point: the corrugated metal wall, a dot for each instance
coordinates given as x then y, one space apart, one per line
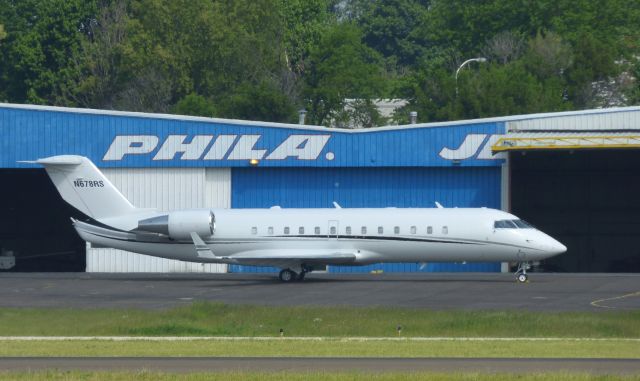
365 187
166 189
627 118
161 141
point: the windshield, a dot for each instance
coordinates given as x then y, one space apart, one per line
512 224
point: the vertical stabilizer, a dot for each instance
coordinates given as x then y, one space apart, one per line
82 185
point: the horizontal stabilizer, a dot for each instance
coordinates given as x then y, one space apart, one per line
56 160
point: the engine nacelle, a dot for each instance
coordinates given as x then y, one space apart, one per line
181 223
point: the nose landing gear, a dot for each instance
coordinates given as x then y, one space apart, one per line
521 273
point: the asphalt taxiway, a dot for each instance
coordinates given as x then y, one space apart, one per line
321 364
475 291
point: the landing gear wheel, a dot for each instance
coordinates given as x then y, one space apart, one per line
521 274
287 276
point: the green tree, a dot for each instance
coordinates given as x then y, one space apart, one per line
388 27
487 90
548 55
341 67
263 102
304 23
149 55
194 104
100 75
210 48
633 90
594 60
43 37
3 34
498 90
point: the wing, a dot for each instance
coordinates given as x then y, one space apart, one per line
293 258
278 258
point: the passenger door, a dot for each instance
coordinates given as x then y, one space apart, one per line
332 229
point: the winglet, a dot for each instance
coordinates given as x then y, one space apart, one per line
202 249
336 205
438 205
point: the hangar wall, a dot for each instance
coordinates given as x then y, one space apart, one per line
164 189
160 161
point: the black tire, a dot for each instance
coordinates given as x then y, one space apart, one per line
287 276
522 278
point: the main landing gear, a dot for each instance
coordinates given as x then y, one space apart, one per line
288 275
521 273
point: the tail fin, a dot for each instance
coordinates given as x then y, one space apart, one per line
82 185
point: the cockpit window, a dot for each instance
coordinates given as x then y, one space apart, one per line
522 224
504 224
512 224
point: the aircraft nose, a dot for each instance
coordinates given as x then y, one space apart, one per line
557 248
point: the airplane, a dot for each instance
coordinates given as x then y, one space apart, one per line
295 240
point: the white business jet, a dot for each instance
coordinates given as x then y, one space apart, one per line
294 240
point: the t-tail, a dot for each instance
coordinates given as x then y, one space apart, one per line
83 186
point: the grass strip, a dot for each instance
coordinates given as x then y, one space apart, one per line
326 348
298 376
214 319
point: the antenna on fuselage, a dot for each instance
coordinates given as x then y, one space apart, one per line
439 206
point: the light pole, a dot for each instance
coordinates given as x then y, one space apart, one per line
478 59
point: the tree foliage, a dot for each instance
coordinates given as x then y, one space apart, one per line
42 39
264 59
340 67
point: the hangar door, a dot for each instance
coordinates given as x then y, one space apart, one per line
589 200
35 230
165 189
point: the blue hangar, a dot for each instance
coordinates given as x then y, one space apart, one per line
172 162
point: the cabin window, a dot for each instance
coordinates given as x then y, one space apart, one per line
270 230
429 229
317 230
380 230
413 230
347 231
286 230
254 230
396 230
301 230
363 230
332 230
445 230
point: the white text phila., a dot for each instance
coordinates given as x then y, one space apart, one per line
220 147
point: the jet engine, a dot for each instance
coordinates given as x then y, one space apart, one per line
180 224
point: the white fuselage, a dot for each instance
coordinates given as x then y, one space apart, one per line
295 240
373 235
